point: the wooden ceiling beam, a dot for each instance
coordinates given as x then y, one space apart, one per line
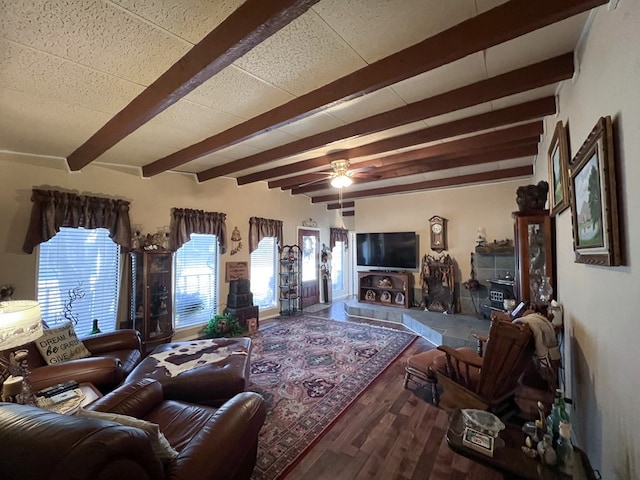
498 118
339 206
252 23
385 171
528 130
497 25
517 81
505 174
431 165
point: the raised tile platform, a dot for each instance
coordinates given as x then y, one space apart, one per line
439 328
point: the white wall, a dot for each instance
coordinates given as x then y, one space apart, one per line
601 303
151 203
466 208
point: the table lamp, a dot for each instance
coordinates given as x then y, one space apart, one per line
20 323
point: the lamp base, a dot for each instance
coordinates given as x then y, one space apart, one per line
26 396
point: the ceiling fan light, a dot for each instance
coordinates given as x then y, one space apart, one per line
341 181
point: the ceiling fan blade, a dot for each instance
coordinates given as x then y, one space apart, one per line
367 176
312 182
363 169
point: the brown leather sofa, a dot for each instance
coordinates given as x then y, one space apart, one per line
212 443
113 356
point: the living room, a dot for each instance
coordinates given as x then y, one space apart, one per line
601 378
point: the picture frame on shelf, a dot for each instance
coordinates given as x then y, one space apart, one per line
594 200
558 156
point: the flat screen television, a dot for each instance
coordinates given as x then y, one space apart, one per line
393 250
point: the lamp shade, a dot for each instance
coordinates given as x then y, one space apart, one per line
20 323
341 181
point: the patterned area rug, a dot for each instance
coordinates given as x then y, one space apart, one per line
309 370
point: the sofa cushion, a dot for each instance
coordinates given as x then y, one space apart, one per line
160 444
60 344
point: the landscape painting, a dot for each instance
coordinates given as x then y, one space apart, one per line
594 199
589 205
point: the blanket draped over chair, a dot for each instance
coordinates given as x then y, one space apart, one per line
546 344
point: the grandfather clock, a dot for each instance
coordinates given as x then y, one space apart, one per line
438 233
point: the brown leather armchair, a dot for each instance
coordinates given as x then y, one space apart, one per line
113 356
211 442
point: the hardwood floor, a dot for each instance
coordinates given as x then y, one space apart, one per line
389 433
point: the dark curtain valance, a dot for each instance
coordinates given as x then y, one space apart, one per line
185 221
52 209
338 235
264 227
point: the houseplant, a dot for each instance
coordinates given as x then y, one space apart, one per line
224 325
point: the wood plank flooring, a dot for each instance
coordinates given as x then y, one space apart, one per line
389 433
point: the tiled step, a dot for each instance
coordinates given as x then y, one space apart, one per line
439 328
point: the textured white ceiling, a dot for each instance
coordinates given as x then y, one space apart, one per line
68 66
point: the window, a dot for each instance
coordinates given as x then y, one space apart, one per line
264 267
196 284
338 268
79 278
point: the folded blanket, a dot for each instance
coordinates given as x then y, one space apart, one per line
192 355
544 336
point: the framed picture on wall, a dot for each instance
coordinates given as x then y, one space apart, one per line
558 156
594 200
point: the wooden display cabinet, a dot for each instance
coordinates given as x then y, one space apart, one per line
151 300
534 234
393 289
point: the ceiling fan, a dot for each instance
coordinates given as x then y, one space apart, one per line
342 176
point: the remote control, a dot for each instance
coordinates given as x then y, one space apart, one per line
49 392
61 397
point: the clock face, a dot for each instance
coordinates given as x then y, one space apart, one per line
436 228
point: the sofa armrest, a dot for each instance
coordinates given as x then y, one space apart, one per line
127 339
135 399
97 370
228 444
40 444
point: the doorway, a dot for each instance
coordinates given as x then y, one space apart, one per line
309 241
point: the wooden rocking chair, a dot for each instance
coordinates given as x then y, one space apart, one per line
486 382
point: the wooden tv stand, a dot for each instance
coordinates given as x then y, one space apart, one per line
393 289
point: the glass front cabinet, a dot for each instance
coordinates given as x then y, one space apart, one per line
151 299
290 281
534 240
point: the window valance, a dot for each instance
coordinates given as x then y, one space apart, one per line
53 209
185 221
338 235
260 228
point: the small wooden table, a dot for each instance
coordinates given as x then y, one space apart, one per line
510 460
89 394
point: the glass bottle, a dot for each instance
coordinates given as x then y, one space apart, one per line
95 330
564 449
558 414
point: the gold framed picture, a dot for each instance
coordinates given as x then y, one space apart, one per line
558 156
594 199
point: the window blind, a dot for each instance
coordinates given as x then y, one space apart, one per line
264 269
338 267
80 263
196 280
